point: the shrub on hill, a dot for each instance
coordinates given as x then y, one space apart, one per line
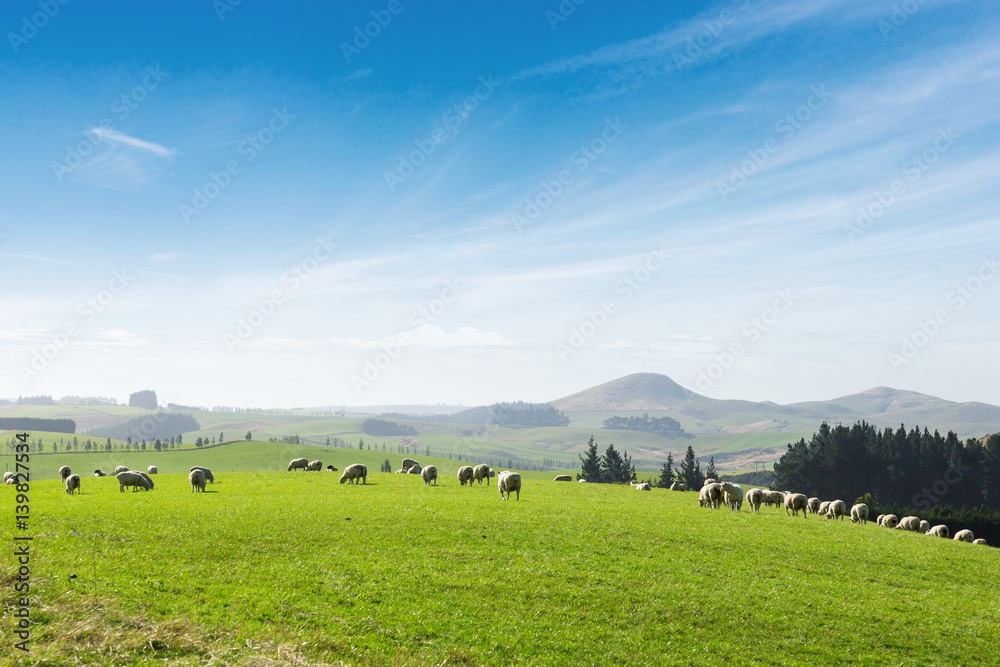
385 427
660 425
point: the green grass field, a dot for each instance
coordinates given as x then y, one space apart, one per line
294 568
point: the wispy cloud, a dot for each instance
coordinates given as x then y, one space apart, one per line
114 135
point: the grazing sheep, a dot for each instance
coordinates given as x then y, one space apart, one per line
429 474
733 495
643 487
509 481
795 502
295 464
399 472
775 498
889 521
133 479
878 521
151 470
208 473
678 486
979 540
481 472
924 526
64 472
100 473
909 523
197 479
10 480
119 469
354 472
710 481
315 465
563 478
755 497
940 530
409 463
146 477
582 481
414 470
710 496
823 507
465 475
813 505
73 484
859 514
837 508
965 536
333 468
7 475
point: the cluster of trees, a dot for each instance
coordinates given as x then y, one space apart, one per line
689 472
386 466
662 425
86 400
373 426
248 411
513 415
143 399
88 445
37 424
35 400
610 468
203 442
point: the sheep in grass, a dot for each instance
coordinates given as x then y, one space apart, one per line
890 521
710 496
315 465
413 470
678 486
481 472
754 498
399 472
878 521
979 540
64 472
197 479
100 473
859 514
509 481
924 526
775 498
119 469
582 481
813 505
732 495
7 475
710 481
909 523
73 484
208 473
353 473
133 479
940 530
149 480
465 475
151 470
795 502
643 487
295 464
823 507
429 474
836 509
965 536
409 463
333 468
563 478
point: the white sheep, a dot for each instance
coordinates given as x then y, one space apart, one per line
733 495
643 487
197 479
890 521
710 495
73 484
710 481
965 536
149 480
8 475
465 475
859 514
813 505
563 478
940 530
508 481
64 472
582 481
119 469
878 521
836 509
354 472
333 468
775 498
795 502
151 470
414 470
409 463
315 465
133 479
979 540
481 472
823 507
924 526
429 474
754 498
295 464
678 486
208 473
909 523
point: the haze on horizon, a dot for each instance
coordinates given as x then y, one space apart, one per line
252 205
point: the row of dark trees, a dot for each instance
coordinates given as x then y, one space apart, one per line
611 468
373 426
661 425
689 472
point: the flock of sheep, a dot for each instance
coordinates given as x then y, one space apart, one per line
714 494
136 479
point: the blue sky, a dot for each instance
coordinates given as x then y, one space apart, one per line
478 202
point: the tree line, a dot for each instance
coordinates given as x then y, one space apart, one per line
661 425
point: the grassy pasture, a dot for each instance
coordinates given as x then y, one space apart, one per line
295 568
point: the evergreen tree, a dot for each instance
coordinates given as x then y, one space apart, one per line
361 443
247 436
616 468
590 468
710 471
690 471
666 473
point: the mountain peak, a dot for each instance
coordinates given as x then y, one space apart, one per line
639 391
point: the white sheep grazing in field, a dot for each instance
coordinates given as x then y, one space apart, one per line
100 473
643 487
119 469
878 521
859 514
813 505
429 474
409 463
414 470
965 536
197 479
7 475
710 495
353 473
333 468
509 481
316 465
73 484
563 478
823 507
979 540
924 526
582 481
909 523
776 498
733 495
149 480
151 470
836 509
754 498
64 472
208 473
481 472
295 464
133 479
889 521
465 475
940 530
795 502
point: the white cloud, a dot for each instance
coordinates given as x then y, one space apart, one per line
114 135
165 257
431 336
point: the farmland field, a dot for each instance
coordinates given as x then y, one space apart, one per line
295 568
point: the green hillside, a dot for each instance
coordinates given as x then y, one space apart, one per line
294 568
